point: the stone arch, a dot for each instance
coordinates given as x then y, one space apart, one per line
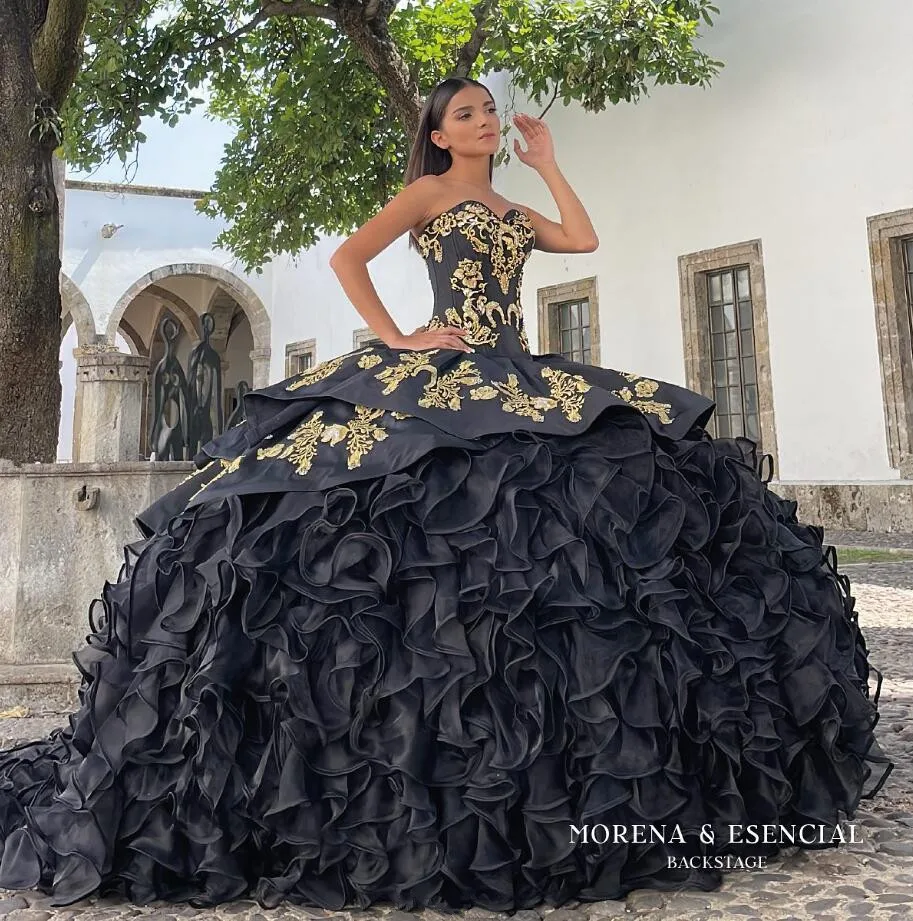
254 309
75 309
188 318
134 339
246 297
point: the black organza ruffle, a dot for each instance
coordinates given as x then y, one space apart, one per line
409 687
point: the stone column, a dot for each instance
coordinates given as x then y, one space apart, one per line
260 358
109 395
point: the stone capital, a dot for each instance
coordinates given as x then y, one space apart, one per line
103 363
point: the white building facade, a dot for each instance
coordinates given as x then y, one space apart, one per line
756 243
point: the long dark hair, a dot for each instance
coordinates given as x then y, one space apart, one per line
426 157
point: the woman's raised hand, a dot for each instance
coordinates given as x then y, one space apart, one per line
447 337
540 150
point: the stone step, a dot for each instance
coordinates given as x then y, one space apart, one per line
869 540
42 688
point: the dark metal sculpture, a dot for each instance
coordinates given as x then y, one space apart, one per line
170 414
238 416
205 377
187 410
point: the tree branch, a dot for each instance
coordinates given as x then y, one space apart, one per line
379 51
232 37
299 8
270 10
554 97
470 51
57 48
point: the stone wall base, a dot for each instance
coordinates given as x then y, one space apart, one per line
881 507
49 688
63 528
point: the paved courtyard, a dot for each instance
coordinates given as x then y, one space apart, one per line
871 879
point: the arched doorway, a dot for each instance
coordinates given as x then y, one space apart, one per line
184 293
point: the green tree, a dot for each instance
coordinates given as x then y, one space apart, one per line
40 41
325 96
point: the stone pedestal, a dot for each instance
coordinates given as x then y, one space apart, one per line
109 404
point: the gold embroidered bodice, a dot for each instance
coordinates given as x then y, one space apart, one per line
379 405
475 262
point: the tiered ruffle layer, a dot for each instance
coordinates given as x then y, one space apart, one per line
410 686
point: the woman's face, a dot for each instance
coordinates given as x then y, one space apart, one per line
471 124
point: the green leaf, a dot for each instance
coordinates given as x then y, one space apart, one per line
318 147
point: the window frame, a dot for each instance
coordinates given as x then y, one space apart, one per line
694 272
364 336
551 298
887 233
295 350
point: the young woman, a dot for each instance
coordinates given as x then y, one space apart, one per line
446 623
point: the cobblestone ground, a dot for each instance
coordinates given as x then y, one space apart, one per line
871 879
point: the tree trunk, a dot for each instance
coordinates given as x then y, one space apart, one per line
371 35
29 252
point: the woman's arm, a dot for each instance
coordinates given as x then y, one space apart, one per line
350 263
575 232
351 258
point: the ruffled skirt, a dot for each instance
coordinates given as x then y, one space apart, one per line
413 687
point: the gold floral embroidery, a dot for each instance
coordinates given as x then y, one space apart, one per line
443 391
652 408
228 466
318 373
502 240
360 435
429 241
479 334
480 315
369 361
567 390
467 276
410 365
301 447
398 415
507 258
504 243
514 399
644 388
524 341
324 369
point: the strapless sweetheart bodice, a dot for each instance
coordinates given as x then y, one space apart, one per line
475 262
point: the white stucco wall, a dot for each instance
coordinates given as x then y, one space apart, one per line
310 303
156 231
803 135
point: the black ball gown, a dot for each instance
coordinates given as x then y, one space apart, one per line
425 613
